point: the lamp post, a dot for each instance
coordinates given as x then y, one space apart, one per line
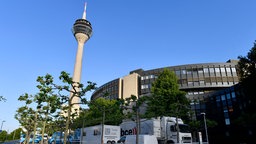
2 125
205 127
137 120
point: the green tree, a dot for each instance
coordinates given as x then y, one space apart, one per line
247 73
26 115
104 111
166 99
48 102
67 92
3 136
51 97
44 103
247 66
14 135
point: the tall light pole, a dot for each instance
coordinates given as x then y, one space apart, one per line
2 125
205 127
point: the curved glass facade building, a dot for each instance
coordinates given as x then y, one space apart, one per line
195 79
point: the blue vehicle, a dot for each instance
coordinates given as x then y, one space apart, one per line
37 139
58 138
76 136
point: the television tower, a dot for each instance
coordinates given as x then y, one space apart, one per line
82 31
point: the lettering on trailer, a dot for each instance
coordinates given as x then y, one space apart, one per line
132 131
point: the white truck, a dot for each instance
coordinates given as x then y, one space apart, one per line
94 134
163 128
143 139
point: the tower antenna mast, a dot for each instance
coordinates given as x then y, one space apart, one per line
84 13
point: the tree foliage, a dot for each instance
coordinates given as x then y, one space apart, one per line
247 66
52 99
3 136
166 99
2 98
67 92
47 101
247 74
14 135
132 107
26 114
100 111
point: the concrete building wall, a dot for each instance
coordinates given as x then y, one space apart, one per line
130 85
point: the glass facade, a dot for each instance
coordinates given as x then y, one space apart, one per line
195 79
227 107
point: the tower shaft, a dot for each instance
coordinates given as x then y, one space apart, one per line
81 39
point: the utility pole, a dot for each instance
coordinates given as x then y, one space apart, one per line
102 125
178 130
205 127
137 123
2 125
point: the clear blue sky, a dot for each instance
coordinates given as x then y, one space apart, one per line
36 38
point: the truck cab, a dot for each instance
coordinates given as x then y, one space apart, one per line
176 133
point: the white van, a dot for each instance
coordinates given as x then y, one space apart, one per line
143 139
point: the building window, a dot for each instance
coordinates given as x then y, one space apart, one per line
200 70
219 83
194 72
214 83
177 72
201 92
196 83
228 71
217 71
211 72
206 72
196 93
233 71
228 96
144 86
152 76
227 121
189 71
223 97
190 83
233 95
201 82
184 72
190 93
223 72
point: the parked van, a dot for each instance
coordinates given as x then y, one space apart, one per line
143 139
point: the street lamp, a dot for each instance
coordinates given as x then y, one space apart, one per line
2 125
137 119
205 127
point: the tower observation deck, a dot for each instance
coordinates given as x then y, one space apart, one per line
82 26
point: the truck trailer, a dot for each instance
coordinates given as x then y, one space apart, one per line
94 134
163 128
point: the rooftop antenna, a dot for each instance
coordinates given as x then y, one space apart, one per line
84 14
